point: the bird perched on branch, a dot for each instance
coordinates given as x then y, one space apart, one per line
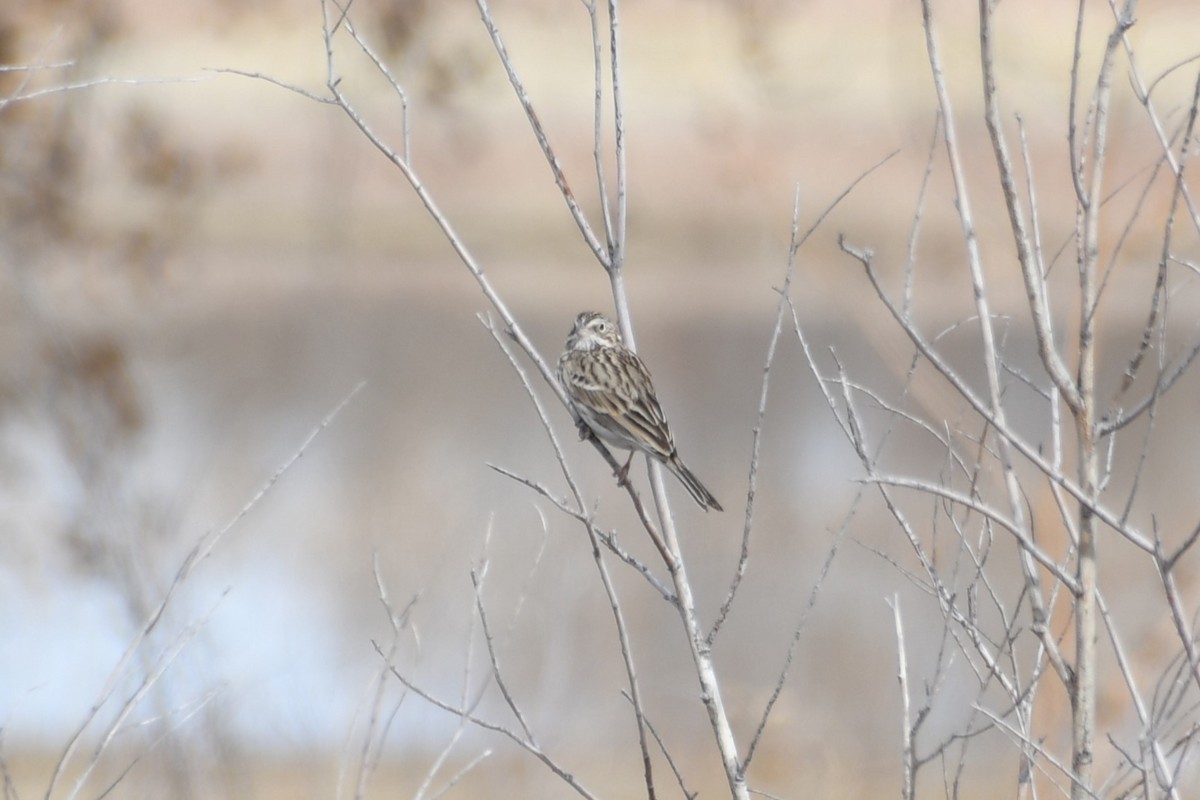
614 396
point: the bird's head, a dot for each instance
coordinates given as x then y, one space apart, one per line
593 330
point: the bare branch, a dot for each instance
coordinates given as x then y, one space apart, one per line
200 551
970 502
1162 769
797 241
560 178
1031 272
1030 452
470 716
908 787
602 569
20 96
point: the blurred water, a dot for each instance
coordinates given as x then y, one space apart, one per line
288 598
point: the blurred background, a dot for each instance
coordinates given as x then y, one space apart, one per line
198 267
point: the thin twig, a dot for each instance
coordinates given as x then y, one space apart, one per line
560 178
1031 452
602 568
200 551
468 715
797 241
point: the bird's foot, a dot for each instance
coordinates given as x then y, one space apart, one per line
622 474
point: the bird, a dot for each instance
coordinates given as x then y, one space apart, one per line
612 391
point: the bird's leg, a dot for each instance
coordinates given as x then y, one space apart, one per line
622 474
585 430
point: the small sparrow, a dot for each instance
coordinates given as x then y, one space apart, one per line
614 395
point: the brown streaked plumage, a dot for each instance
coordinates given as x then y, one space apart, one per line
614 395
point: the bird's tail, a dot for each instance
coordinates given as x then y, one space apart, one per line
690 482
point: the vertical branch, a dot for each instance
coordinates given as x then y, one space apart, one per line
616 260
974 258
598 120
710 692
908 790
614 220
1035 289
1075 148
1161 768
1029 257
1083 689
706 674
617 256
994 405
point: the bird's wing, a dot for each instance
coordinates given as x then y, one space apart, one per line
615 384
